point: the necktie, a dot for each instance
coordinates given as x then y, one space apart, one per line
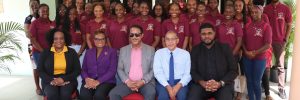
171 70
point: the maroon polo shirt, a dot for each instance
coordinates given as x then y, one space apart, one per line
278 15
76 34
117 34
229 33
190 19
39 29
256 36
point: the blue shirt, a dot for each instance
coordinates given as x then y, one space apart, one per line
182 66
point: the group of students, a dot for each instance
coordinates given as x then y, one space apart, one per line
109 41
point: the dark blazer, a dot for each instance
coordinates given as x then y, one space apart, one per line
46 66
226 67
102 69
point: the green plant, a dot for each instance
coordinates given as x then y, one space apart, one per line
289 46
9 44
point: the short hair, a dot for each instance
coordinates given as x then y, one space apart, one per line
206 25
50 36
136 26
201 3
97 32
43 5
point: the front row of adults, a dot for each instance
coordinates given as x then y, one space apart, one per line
211 67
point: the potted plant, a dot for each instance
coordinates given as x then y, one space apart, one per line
9 43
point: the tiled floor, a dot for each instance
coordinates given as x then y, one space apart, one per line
22 88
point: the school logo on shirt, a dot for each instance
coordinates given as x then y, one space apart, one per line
103 26
218 22
280 15
124 28
230 31
181 29
150 27
51 26
258 32
192 21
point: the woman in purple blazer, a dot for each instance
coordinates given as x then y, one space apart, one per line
98 70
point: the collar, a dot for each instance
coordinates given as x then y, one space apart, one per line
65 49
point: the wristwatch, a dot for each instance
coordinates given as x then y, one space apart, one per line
222 83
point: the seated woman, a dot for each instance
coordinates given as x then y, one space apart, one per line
59 66
98 69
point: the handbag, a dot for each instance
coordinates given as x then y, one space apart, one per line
240 84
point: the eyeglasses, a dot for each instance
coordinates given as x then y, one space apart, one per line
170 39
135 34
99 39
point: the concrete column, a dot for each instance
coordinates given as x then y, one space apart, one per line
295 79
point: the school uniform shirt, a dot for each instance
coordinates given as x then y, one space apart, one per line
39 29
190 19
76 34
278 15
228 33
215 19
118 34
257 35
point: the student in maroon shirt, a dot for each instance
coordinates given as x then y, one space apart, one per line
159 13
230 31
86 16
61 16
241 13
201 18
80 6
191 11
280 17
67 3
134 13
213 12
99 23
38 30
73 27
257 40
151 27
117 33
178 25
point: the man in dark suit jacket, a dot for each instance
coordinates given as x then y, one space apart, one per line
213 68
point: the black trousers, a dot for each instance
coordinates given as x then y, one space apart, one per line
60 92
265 81
197 92
100 93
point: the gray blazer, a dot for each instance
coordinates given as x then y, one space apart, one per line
147 62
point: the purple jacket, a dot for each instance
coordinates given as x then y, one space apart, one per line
104 68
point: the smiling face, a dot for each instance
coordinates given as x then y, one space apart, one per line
88 8
174 10
238 6
34 6
135 9
67 3
201 10
59 40
256 13
135 36
119 10
79 4
99 40
171 40
62 11
98 11
73 14
144 9
44 12
213 4
229 12
191 6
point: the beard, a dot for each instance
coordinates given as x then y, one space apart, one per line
209 43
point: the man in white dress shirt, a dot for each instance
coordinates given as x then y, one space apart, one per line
172 70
